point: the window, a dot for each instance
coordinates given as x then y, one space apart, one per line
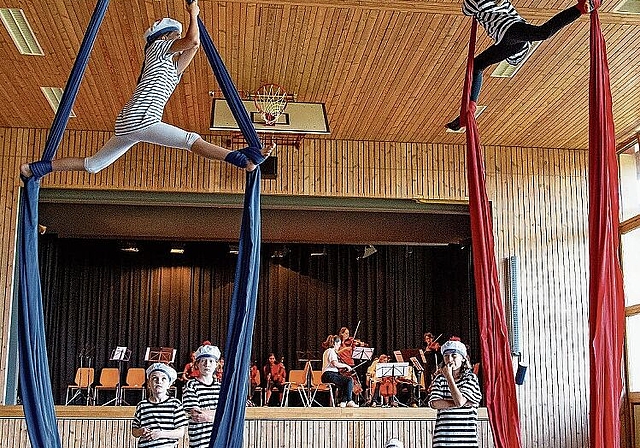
629 161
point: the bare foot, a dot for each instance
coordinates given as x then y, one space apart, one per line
266 152
25 170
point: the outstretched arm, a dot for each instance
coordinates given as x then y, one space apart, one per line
189 44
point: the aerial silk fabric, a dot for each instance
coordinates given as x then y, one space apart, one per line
606 296
499 381
228 426
35 383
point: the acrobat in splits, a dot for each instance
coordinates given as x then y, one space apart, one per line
512 35
167 55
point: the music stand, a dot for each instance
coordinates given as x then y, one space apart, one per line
166 355
307 357
362 353
419 371
87 353
119 354
392 369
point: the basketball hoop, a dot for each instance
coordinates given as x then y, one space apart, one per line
270 100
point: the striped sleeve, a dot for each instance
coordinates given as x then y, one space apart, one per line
167 416
470 388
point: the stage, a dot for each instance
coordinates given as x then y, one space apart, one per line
265 427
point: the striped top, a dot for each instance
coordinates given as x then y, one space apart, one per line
457 427
167 416
204 396
496 20
158 81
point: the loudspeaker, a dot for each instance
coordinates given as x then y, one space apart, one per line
269 168
520 374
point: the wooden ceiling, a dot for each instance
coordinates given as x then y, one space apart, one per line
387 70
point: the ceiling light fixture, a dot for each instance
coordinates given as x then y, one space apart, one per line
368 251
129 246
177 249
53 96
20 31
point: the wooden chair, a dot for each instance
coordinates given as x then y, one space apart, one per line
82 382
109 379
135 381
297 382
319 386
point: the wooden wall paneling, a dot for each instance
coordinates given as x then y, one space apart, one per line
277 432
539 208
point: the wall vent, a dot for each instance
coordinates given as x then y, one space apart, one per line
20 31
506 70
628 7
479 110
53 96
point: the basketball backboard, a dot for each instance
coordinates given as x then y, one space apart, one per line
297 118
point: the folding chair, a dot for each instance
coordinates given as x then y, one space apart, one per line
297 382
82 382
135 381
109 379
319 386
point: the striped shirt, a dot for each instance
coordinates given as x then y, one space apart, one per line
204 396
166 416
457 427
496 20
158 81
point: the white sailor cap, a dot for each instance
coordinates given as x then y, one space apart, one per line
167 370
394 443
161 27
206 350
454 347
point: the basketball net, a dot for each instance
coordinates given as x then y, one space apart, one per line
270 100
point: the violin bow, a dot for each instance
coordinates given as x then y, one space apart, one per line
356 332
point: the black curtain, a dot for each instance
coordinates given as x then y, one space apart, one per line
98 297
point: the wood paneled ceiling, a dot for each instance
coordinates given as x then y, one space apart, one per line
387 70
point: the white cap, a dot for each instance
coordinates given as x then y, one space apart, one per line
161 27
167 370
454 347
206 350
394 443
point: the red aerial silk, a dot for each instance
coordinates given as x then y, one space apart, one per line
606 296
499 381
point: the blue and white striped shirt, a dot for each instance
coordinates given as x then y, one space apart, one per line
158 81
167 416
457 427
204 396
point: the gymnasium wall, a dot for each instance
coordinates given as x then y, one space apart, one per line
539 201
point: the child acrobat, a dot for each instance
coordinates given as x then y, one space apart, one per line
166 57
512 35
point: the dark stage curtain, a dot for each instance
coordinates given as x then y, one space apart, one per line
97 297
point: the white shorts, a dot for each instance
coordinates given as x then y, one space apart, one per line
160 134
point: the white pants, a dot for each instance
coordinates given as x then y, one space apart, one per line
160 134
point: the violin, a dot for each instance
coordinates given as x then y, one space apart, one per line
434 347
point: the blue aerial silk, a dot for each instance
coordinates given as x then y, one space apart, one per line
34 372
228 426
35 383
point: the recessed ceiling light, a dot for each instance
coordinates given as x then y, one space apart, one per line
20 31
53 96
506 70
479 110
